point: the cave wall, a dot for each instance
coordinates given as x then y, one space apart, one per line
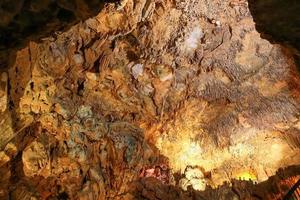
146 91
25 20
278 21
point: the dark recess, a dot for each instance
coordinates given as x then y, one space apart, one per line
25 20
279 22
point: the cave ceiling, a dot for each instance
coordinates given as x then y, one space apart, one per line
146 95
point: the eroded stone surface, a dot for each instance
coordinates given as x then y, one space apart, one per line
145 84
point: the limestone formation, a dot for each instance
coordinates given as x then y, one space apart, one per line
151 99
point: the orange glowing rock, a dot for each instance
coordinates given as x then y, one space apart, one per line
248 176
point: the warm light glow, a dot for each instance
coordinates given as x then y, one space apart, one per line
184 153
247 176
252 154
189 150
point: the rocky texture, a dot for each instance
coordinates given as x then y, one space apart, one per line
278 21
25 20
182 93
275 188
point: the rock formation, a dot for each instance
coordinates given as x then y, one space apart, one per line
151 99
25 20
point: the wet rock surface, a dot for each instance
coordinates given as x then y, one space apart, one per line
145 98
